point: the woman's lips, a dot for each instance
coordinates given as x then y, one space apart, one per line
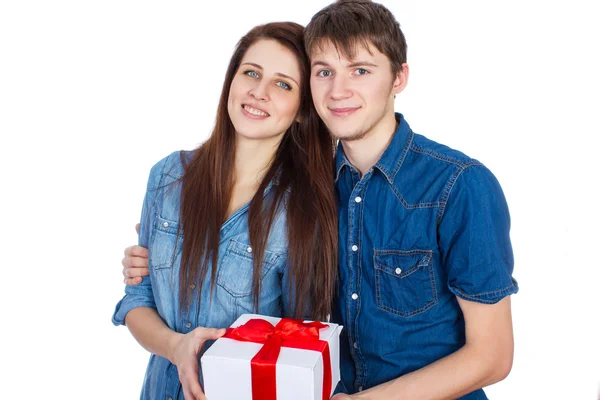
254 112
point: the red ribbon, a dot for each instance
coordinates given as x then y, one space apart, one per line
287 333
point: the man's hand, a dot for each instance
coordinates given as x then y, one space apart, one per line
135 263
184 355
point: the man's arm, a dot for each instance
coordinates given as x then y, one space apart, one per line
486 358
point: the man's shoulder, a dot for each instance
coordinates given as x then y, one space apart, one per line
451 171
430 151
429 171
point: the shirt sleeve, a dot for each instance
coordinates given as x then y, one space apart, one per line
474 238
141 295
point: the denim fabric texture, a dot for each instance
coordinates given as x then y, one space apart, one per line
425 225
232 295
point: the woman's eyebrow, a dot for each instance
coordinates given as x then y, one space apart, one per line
278 73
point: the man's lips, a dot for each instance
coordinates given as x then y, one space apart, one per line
343 111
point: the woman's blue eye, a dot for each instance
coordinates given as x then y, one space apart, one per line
284 85
251 74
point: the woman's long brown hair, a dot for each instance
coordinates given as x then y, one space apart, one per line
302 165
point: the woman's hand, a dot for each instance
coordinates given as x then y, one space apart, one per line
135 263
341 396
183 354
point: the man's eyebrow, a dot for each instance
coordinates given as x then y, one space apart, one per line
362 64
351 65
320 63
278 73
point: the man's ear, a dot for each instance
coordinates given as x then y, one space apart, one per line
401 79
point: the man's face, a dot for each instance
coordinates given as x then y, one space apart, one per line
352 96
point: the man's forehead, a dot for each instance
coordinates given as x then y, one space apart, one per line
347 51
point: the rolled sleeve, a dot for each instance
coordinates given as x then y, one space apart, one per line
141 295
474 238
135 296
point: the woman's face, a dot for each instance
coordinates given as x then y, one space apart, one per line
264 97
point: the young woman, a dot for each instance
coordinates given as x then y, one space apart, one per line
245 223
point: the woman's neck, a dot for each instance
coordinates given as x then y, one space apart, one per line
253 159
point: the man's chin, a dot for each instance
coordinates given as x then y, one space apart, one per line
348 136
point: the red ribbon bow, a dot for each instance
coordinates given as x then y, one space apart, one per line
287 333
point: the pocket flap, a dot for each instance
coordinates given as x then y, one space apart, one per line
245 250
167 226
401 263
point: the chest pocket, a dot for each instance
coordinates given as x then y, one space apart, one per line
405 281
236 269
166 246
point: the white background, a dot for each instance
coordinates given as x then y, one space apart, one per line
93 93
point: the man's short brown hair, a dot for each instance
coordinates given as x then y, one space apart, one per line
350 23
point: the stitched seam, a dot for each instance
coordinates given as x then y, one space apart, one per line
447 191
403 252
408 206
405 273
379 299
361 207
486 293
232 250
154 211
407 146
390 175
442 157
506 290
270 256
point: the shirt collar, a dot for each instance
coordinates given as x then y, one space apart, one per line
391 159
340 160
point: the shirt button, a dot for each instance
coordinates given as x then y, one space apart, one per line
398 271
170 398
166 224
354 296
358 199
355 345
192 286
360 388
188 325
249 249
354 248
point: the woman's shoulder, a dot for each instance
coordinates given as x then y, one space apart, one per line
169 169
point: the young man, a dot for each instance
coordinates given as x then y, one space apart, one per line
425 255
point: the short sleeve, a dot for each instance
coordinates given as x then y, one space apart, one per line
474 238
141 295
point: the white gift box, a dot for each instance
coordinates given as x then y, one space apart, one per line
299 373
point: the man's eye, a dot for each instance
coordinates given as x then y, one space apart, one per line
324 73
361 71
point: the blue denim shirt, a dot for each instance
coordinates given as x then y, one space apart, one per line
424 226
233 290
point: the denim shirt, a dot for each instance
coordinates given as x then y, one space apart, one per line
232 295
424 226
